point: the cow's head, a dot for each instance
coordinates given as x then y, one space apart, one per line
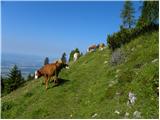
62 64
66 66
37 74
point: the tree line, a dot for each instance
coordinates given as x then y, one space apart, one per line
131 28
64 56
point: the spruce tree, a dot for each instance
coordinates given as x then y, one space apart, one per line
14 79
76 50
127 14
63 58
46 61
149 13
71 55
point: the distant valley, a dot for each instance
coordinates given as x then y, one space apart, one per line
26 63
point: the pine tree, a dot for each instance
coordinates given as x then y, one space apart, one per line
76 50
4 86
15 79
63 58
127 14
71 55
149 13
46 61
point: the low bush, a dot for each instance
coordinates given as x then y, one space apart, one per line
126 35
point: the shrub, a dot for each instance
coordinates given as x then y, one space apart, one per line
126 35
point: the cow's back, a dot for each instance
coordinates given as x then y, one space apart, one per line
49 69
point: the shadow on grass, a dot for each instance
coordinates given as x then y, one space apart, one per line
60 82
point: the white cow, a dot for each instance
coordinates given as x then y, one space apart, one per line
76 56
101 46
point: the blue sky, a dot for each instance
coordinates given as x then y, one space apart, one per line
51 28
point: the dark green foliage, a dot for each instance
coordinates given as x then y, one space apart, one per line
15 78
2 84
148 21
63 58
77 50
125 35
72 53
46 61
13 81
149 13
127 15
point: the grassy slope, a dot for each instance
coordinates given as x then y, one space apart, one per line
90 87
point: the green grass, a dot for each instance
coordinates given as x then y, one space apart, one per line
92 88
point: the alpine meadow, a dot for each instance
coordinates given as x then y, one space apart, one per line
118 79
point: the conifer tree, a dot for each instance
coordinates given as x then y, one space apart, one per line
149 13
127 14
46 61
63 58
15 78
71 55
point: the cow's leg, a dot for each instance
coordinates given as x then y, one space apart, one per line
46 82
56 77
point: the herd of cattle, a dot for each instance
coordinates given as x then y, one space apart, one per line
53 69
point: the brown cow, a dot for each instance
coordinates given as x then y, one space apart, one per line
92 48
50 70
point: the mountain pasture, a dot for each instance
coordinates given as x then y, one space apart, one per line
94 88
